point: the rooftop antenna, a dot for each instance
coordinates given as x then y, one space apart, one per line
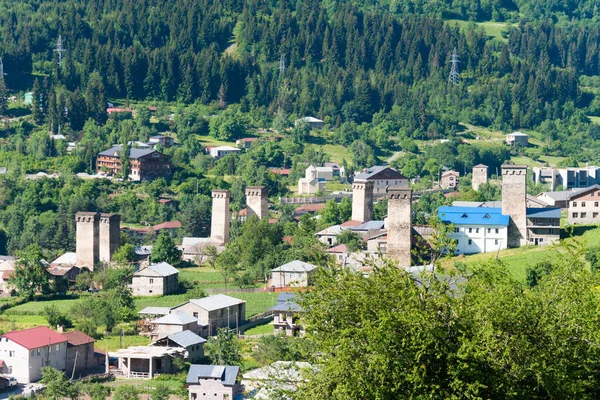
454 76
281 65
59 49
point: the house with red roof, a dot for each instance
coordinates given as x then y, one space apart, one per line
80 353
24 353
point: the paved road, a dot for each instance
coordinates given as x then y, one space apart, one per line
21 389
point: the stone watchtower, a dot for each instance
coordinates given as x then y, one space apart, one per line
219 228
110 236
514 202
257 201
88 239
480 176
362 201
399 225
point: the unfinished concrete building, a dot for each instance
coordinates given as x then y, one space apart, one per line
110 236
219 228
362 201
514 202
87 246
257 201
399 225
480 176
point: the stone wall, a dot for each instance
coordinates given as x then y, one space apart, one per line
88 239
514 203
399 225
257 201
362 201
219 230
480 176
110 236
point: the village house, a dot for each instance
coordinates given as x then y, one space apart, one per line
80 353
144 164
383 177
554 199
449 180
187 340
7 269
24 353
145 362
221 151
517 139
312 122
174 322
155 280
583 206
245 143
543 226
68 273
214 312
286 318
295 273
163 140
566 178
206 382
329 235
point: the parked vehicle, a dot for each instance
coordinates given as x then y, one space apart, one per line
12 381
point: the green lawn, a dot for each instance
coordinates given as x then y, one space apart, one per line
37 307
15 322
595 120
336 186
211 141
264 329
492 29
201 274
337 153
256 302
159 301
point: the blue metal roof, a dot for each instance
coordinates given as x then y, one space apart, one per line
472 216
544 213
227 374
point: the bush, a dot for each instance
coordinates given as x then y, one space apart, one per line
125 392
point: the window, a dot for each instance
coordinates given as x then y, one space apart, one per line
540 240
583 215
489 230
195 314
477 230
149 291
583 204
470 241
457 242
496 242
38 352
595 215
497 230
575 215
456 230
49 349
11 353
574 204
32 353
595 204
470 230
151 281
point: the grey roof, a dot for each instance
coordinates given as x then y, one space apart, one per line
285 296
163 269
369 225
561 195
155 311
484 204
186 338
176 318
582 190
518 134
544 213
295 266
480 166
227 374
216 302
289 305
133 152
375 170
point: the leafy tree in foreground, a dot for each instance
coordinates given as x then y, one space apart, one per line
224 349
30 276
165 250
57 385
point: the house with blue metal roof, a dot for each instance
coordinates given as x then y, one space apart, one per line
543 226
476 229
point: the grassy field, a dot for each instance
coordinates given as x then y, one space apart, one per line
211 141
265 329
13 322
201 274
492 29
336 186
37 307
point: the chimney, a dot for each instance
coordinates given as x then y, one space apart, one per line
219 229
87 239
399 225
257 201
362 201
514 203
110 235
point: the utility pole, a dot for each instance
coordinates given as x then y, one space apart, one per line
454 76
75 365
59 49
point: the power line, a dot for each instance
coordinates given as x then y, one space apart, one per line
281 66
454 76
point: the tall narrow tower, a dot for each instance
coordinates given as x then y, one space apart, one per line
219 228
257 201
454 76
399 225
60 50
87 240
362 201
514 203
479 176
110 235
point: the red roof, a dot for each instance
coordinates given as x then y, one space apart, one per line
451 194
243 212
167 225
77 338
340 248
111 110
287 239
273 220
248 139
351 223
309 208
281 171
164 201
35 337
7 274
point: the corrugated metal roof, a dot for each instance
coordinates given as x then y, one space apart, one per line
155 311
176 318
186 338
560 195
369 173
35 337
544 213
369 225
295 266
163 269
472 216
133 152
285 296
216 302
578 192
227 374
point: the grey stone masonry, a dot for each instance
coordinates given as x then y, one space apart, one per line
110 235
480 176
514 202
257 201
87 241
219 229
362 201
399 225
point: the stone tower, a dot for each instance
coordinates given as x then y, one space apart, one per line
362 201
514 197
87 240
480 176
257 201
399 225
219 228
110 235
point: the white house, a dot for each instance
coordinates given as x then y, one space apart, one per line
222 151
476 229
312 122
213 382
295 273
214 312
383 178
24 353
517 139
